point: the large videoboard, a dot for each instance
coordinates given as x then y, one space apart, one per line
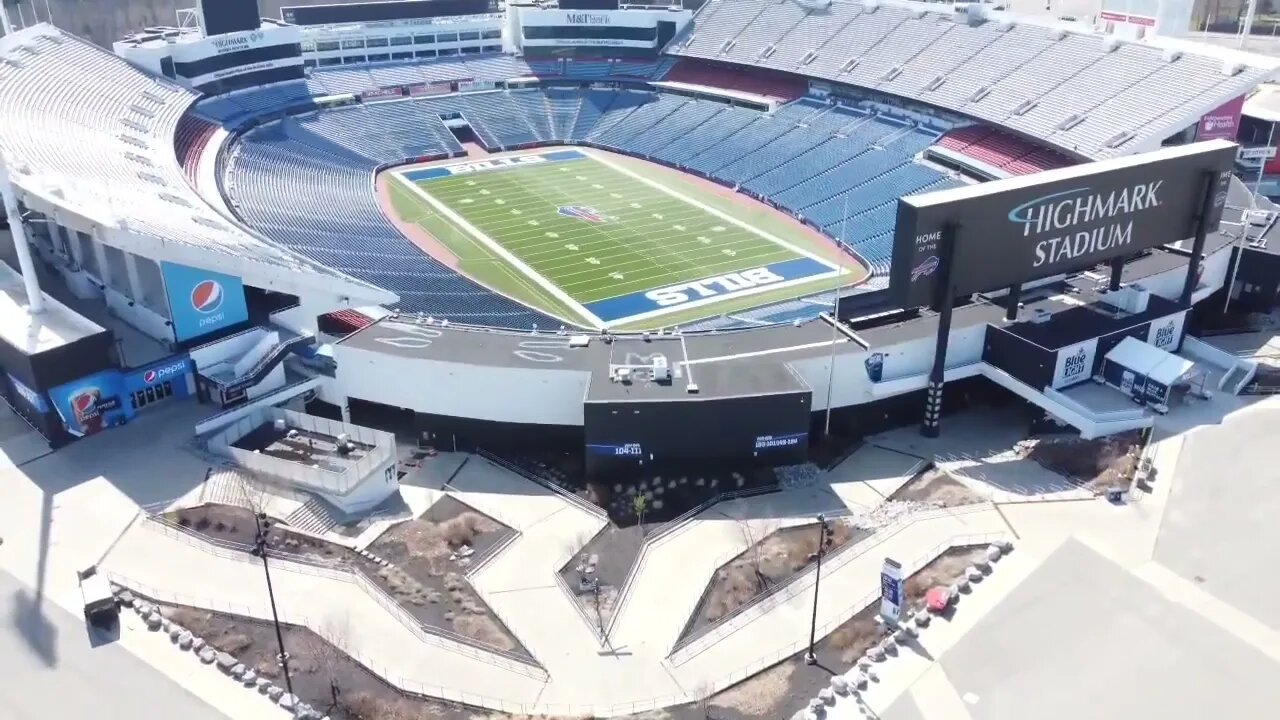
1012 231
369 12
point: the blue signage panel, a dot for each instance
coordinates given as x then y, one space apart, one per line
623 450
92 403
774 442
32 398
173 370
202 301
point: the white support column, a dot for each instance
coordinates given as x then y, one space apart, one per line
35 299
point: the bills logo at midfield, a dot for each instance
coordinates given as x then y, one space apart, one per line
206 296
582 212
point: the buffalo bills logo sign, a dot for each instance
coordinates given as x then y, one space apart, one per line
206 296
926 268
582 212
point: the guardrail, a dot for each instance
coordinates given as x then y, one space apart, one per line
528 475
283 562
664 531
572 597
788 588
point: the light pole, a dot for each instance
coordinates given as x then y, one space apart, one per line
824 540
260 549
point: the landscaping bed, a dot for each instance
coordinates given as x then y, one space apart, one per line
762 568
1094 465
232 524
781 690
607 559
938 488
429 557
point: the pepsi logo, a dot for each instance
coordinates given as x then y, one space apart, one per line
206 296
149 377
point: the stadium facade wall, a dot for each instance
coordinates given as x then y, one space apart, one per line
462 390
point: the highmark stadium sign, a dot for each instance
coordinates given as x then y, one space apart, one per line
1012 231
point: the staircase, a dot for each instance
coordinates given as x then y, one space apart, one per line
225 486
316 516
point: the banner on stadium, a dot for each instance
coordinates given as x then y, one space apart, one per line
1012 231
202 301
435 88
1221 123
91 404
382 94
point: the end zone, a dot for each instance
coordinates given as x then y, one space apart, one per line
706 291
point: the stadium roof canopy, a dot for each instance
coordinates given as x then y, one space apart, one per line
90 134
1090 94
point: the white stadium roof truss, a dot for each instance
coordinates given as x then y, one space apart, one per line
87 135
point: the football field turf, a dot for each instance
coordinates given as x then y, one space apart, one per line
603 245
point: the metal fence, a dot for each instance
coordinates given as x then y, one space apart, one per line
345 573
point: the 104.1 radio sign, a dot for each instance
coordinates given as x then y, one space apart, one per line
1010 231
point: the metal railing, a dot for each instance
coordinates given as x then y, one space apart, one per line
529 475
346 573
788 588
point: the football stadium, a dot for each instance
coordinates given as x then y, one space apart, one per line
622 262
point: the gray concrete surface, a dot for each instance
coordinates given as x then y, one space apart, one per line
904 708
1220 529
1083 638
68 679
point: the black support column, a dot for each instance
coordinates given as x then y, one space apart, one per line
1117 269
1197 247
931 424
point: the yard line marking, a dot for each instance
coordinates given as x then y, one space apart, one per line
599 157
502 252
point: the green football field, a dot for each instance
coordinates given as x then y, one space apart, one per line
598 242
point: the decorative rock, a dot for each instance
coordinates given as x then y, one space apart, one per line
1004 545
909 631
238 671
226 661
876 654
993 552
165 625
900 635
839 685
207 656
287 701
153 621
983 564
962 584
815 704
174 632
185 640
888 642
263 685
249 678
197 643
274 692
922 618
143 607
827 696
125 598
864 662
858 681
973 573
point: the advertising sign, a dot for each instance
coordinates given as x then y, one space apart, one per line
1020 229
1166 333
1075 363
91 404
891 599
774 442
173 370
623 450
202 301
31 397
1221 123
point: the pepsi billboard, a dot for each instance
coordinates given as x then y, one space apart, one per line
174 370
91 404
1011 231
202 301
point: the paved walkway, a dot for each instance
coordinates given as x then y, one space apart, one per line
632 673
1145 586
